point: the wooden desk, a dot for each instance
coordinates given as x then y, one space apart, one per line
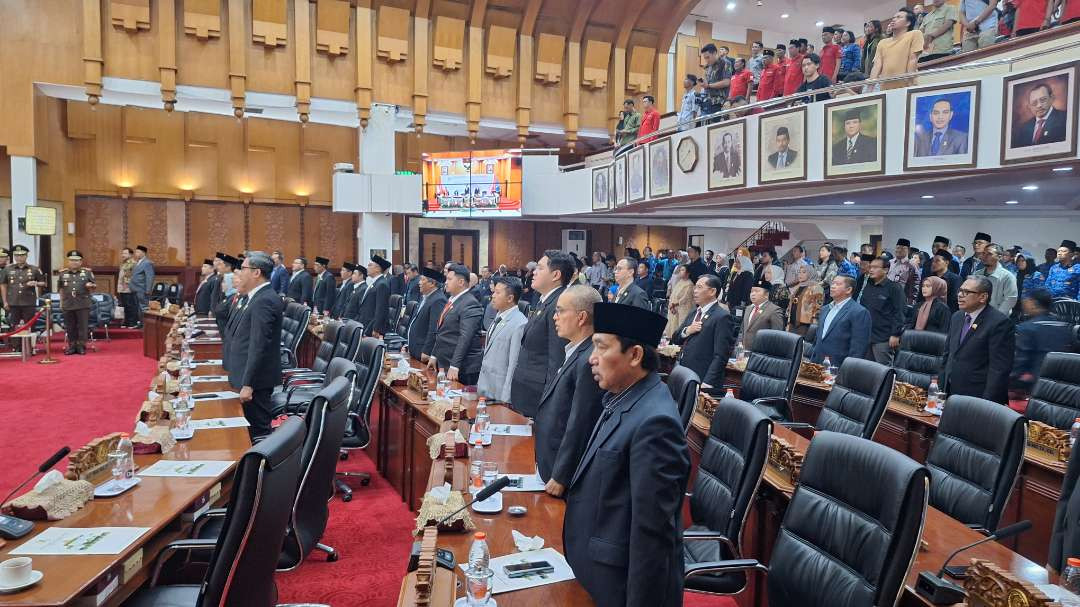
904 428
157 503
156 325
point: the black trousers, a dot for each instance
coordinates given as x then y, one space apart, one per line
131 312
17 316
77 325
258 413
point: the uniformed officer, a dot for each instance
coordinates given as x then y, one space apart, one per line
19 283
3 258
75 284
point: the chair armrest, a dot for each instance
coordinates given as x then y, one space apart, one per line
797 426
770 400
290 356
705 534
177 546
725 567
204 518
305 378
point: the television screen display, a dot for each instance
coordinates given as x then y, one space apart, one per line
472 184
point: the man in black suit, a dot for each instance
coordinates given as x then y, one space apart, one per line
622 530
1047 123
855 147
300 283
359 287
696 267
204 293
541 347
979 353
459 343
325 286
726 161
784 156
397 281
412 283
629 293
570 404
707 335
251 352
422 327
375 302
341 296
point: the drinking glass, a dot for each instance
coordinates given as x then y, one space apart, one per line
491 472
116 466
478 586
182 417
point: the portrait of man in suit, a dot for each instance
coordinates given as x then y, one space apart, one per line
784 156
1040 114
600 189
1047 122
941 129
855 146
782 145
727 161
941 138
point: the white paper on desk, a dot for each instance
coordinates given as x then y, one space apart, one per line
76 541
205 340
219 422
202 397
208 362
188 469
510 429
529 482
196 379
501 583
1055 593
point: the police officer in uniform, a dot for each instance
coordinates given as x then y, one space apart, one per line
3 259
75 284
19 284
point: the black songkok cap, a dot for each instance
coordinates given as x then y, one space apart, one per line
641 325
380 261
903 242
867 257
322 261
942 240
982 236
433 275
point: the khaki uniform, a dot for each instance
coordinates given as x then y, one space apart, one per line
20 298
76 303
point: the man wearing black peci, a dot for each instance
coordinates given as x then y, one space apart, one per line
422 327
341 296
359 287
541 347
325 285
855 147
375 302
253 336
204 293
459 344
707 335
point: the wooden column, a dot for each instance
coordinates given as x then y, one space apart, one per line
167 51
572 80
93 64
237 59
421 65
365 55
526 65
302 23
475 74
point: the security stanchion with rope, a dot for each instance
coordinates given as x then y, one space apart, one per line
27 325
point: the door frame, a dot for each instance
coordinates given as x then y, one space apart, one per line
447 235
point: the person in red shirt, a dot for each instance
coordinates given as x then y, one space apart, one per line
793 76
771 76
1070 12
830 54
650 118
740 80
1031 16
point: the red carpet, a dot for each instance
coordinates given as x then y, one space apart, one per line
82 397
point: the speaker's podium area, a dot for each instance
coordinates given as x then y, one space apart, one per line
613 303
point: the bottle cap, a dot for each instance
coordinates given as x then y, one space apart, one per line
480 535
126 435
1073 561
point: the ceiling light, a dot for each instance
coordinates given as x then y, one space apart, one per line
784 16
819 24
849 202
1012 202
927 196
1030 188
730 6
1062 169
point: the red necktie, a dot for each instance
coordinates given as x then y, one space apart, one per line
1038 131
753 313
697 317
445 309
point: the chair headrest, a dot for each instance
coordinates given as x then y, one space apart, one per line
924 342
336 394
339 367
282 442
861 375
736 421
776 343
1062 367
980 421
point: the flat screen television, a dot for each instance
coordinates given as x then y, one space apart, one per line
484 183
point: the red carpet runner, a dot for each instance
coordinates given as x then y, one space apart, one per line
47 406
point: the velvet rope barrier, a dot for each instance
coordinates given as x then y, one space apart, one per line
29 323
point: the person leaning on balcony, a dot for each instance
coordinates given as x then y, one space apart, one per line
1031 16
650 118
900 53
629 123
937 28
979 22
1069 12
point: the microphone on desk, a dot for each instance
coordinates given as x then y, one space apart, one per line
939 591
445 558
498 485
11 527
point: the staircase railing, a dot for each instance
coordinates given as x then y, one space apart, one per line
768 227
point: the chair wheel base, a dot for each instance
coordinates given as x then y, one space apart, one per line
365 481
331 554
344 455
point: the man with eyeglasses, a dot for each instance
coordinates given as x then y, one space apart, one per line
252 341
981 345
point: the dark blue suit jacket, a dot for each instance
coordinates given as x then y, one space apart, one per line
279 279
848 335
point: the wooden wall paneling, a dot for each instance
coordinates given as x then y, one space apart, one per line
332 27
499 61
595 69
269 22
99 225
448 54
302 50
167 50
334 76
639 77
421 56
329 234
152 146
512 244
160 226
664 101
130 15
365 57
277 226
93 58
449 49
216 226
130 52
238 50
202 18
631 11
321 146
390 81
393 34
272 69
499 87
571 102
526 69
548 235
273 159
550 52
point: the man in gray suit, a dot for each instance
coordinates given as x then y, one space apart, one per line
941 139
503 340
142 280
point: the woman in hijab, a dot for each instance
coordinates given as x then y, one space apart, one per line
1025 268
681 302
933 314
739 293
806 301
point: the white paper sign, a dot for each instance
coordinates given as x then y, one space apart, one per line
510 429
219 422
75 541
189 469
502 583
529 482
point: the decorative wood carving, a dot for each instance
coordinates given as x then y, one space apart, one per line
202 18
910 394
167 52
1049 440
92 59
811 371
130 15
269 22
988 585
785 459
91 458
392 44
595 70
706 404
501 43
448 51
639 71
332 27
430 585
549 58
238 51
419 382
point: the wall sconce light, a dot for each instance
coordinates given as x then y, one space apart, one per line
125 192
303 200
246 198
189 194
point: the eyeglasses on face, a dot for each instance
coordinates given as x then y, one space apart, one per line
965 292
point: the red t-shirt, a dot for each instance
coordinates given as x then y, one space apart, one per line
793 79
1071 11
650 123
771 80
830 53
1030 14
740 84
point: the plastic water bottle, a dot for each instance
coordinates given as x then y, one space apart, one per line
478 576
1074 432
729 394
1070 577
128 466
441 384
476 463
481 425
479 556
933 394
830 370
740 351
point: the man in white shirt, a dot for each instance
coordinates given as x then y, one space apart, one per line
1003 296
503 340
689 108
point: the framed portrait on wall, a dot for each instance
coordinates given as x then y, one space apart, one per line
600 189
781 146
619 169
855 137
660 168
727 159
611 185
635 175
1040 115
942 127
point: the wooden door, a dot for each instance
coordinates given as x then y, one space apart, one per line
463 249
440 246
433 247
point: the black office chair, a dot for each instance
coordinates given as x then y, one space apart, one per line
1067 310
299 388
851 530
332 334
245 554
393 310
858 398
808 341
974 461
157 292
732 464
399 325
771 371
524 307
683 384
102 314
358 432
1055 397
293 325
174 292
295 399
921 357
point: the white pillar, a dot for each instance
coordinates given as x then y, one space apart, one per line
23 194
377 157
